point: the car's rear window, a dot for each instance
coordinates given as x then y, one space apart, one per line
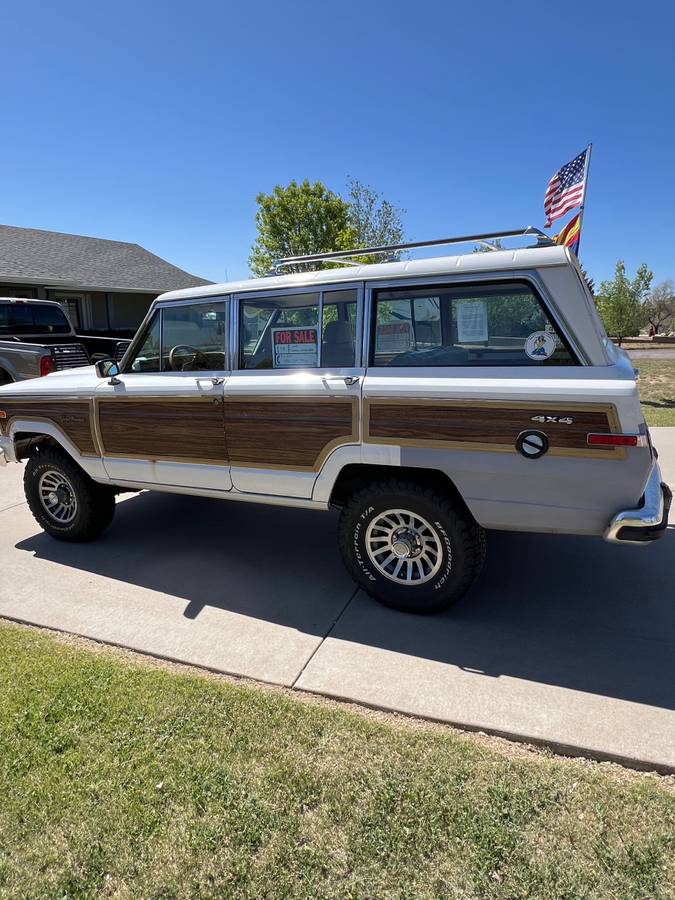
28 318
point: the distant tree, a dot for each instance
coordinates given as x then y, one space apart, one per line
299 219
620 300
659 307
373 220
590 283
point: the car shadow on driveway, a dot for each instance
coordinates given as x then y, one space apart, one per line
568 611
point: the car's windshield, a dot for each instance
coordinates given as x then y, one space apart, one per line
29 318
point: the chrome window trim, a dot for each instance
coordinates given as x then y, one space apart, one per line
321 289
157 306
531 276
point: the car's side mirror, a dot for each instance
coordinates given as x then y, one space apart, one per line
107 368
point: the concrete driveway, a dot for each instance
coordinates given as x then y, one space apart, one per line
568 641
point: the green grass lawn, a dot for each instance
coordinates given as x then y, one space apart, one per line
120 778
657 389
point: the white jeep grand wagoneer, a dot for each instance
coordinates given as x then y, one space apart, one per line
427 400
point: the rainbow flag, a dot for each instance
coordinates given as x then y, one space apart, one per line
570 234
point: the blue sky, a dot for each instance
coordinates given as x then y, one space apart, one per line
159 122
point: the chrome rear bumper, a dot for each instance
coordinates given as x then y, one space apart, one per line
649 521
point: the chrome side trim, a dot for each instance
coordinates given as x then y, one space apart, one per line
241 497
649 515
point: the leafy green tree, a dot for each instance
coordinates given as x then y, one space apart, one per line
303 218
620 300
659 307
373 220
296 220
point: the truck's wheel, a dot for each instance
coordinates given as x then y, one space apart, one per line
410 547
65 502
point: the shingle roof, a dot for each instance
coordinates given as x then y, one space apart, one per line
72 260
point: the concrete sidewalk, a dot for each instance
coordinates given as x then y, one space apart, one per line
664 441
568 641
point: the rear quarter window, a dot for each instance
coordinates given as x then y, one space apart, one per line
502 324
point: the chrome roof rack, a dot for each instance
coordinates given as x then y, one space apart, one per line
391 250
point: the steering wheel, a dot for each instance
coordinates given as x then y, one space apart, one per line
192 360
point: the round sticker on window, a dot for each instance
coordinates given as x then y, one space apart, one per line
540 345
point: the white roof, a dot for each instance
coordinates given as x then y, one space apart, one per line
490 261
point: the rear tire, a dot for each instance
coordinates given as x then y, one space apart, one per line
64 500
409 546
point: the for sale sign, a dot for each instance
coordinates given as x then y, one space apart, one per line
394 337
295 346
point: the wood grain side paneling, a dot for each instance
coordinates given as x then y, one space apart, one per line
180 430
488 425
71 417
289 433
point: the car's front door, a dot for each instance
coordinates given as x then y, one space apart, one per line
293 397
160 422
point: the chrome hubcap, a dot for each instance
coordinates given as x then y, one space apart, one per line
404 547
57 496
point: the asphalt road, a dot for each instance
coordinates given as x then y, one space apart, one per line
563 640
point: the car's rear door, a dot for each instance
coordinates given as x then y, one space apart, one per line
160 422
293 398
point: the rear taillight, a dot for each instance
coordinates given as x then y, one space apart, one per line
47 365
616 440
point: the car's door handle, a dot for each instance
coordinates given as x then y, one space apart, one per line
348 379
212 380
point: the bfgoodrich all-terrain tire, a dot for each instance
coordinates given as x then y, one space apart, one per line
409 546
64 500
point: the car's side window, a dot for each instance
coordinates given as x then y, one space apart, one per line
184 338
194 337
480 325
338 336
298 331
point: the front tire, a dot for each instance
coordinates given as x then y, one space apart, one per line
64 500
409 546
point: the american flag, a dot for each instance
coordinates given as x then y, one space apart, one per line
565 189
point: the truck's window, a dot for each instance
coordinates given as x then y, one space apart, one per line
338 339
480 325
279 332
283 332
194 337
26 318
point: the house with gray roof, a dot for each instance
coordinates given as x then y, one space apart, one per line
106 286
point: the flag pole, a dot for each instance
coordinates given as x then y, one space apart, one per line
587 166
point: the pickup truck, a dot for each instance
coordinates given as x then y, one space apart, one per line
36 338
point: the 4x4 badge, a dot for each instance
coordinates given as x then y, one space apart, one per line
553 420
